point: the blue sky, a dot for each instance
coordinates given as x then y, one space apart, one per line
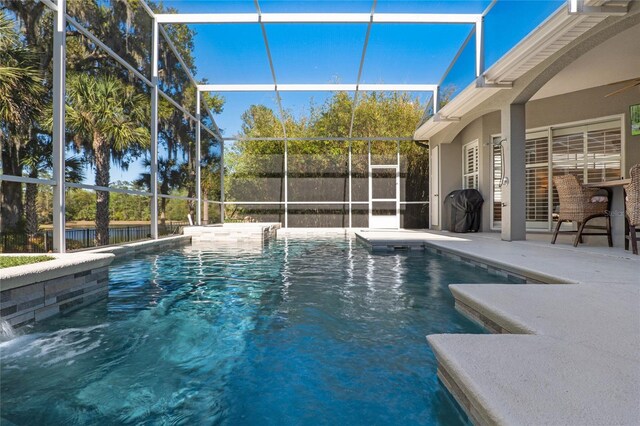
328 53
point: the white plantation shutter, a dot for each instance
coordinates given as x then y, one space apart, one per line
497 182
603 159
471 165
593 153
537 177
568 153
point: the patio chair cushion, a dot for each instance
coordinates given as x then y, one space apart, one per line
599 199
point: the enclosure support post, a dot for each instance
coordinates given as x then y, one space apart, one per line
222 181
436 105
398 171
286 184
153 172
369 177
59 137
198 163
479 46
350 219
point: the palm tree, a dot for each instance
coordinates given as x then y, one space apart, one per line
20 83
38 158
108 120
21 101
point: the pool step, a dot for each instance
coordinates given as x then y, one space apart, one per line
568 361
386 241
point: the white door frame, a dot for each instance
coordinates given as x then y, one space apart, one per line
435 187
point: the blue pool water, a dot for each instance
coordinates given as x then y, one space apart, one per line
297 332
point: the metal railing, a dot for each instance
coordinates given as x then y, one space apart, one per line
85 237
81 238
171 228
19 242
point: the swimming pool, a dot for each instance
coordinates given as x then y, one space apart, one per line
296 332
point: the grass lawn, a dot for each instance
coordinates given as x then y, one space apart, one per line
9 261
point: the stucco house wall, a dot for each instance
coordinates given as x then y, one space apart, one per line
583 105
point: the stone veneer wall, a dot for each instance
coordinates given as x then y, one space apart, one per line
40 300
34 292
232 232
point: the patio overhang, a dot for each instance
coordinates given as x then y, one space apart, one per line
547 40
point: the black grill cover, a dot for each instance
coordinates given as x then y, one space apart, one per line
462 210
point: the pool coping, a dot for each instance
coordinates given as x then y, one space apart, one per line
61 265
36 291
471 408
478 388
524 275
144 246
75 262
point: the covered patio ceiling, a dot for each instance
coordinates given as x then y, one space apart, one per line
611 63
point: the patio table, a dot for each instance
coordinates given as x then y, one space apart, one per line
618 230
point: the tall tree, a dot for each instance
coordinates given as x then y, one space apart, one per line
315 166
38 159
170 177
108 118
126 28
21 101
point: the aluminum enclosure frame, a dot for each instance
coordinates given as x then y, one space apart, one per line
62 19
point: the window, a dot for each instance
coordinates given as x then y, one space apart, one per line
470 166
591 152
537 179
604 149
497 180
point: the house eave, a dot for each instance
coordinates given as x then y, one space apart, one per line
556 32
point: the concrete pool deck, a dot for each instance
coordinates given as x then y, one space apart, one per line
572 357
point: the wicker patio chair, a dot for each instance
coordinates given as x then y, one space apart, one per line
579 204
632 204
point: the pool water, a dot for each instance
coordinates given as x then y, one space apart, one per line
295 332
